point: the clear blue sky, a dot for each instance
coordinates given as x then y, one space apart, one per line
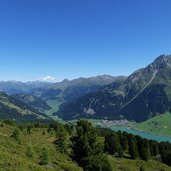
73 38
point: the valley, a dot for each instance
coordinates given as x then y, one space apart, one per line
42 122
138 102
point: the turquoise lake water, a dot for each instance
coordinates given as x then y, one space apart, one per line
156 137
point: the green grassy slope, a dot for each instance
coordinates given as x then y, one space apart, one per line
159 124
13 155
13 108
123 164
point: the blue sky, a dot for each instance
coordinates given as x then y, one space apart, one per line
74 38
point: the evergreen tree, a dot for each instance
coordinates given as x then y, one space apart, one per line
154 148
112 143
16 135
87 150
145 149
120 152
133 150
63 141
124 141
29 129
166 157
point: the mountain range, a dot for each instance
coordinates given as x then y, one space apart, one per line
140 96
44 98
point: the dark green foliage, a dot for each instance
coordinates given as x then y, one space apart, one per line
145 154
87 150
120 152
112 144
166 157
29 127
137 147
143 148
63 141
16 135
9 122
154 148
133 149
124 141
142 168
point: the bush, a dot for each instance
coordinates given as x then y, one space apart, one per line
29 151
16 135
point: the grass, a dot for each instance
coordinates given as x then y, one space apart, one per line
13 155
123 164
159 124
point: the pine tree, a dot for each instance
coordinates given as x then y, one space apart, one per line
63 141
144 148
120 152
154 148
87 150
124 141
133 150
112 143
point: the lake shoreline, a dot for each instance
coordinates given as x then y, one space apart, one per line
144 134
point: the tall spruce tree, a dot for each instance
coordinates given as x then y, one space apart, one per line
133 150
87 150
112 144
124 141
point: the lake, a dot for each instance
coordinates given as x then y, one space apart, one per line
156 137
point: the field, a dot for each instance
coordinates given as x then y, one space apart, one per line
159 124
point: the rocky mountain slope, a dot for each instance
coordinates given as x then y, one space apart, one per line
142 95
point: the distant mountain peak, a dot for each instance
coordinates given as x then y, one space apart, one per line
66 81
163 59
161 62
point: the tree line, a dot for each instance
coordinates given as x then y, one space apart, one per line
90 146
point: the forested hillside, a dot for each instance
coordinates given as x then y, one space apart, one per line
51 147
